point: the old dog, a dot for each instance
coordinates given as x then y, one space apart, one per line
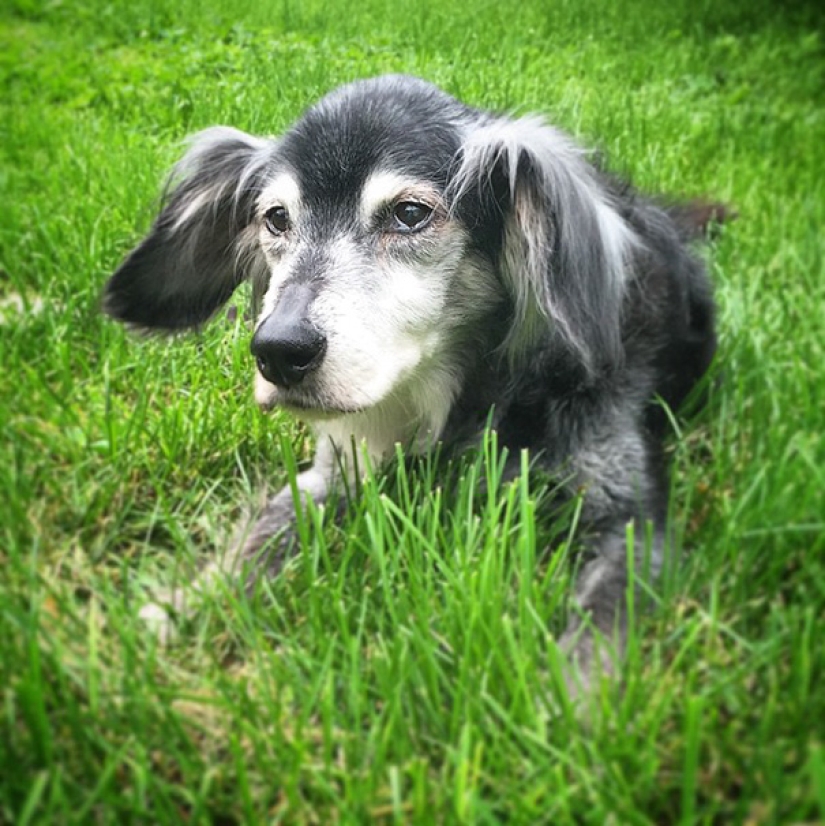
422 269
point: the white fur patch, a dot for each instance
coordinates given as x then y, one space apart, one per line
159 623
200 202
383 188
283 190
266 394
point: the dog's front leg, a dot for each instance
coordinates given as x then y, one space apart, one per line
596 632
261 549
625 505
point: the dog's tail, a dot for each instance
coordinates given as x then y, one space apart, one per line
700 220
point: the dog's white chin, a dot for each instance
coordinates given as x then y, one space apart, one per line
266 393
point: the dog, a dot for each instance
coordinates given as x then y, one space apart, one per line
421 270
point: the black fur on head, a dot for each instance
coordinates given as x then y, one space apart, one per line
560 248
564 244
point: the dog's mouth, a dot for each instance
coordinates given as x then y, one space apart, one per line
310 409
304 404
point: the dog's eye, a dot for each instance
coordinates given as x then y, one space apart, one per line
276 220
410 215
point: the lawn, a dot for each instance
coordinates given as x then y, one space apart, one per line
403 669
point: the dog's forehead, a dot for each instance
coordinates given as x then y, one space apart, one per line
397 124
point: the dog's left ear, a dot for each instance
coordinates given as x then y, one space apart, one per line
564 245
201 246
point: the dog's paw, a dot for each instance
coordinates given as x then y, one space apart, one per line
160 617
590 659
159 621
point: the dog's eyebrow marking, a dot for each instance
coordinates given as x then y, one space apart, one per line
382 188
283 190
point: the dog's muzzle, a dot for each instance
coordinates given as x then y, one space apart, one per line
287 346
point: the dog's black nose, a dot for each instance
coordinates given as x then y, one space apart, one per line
287 345
285 360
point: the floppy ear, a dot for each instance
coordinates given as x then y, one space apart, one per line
201 245
564 245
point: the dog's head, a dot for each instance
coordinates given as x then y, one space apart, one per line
390 232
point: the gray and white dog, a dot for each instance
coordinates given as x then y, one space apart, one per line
421 268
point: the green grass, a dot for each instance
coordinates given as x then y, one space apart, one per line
403 669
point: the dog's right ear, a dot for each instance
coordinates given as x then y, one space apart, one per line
202 245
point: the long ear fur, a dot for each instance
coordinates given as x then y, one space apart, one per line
564 246
201 246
